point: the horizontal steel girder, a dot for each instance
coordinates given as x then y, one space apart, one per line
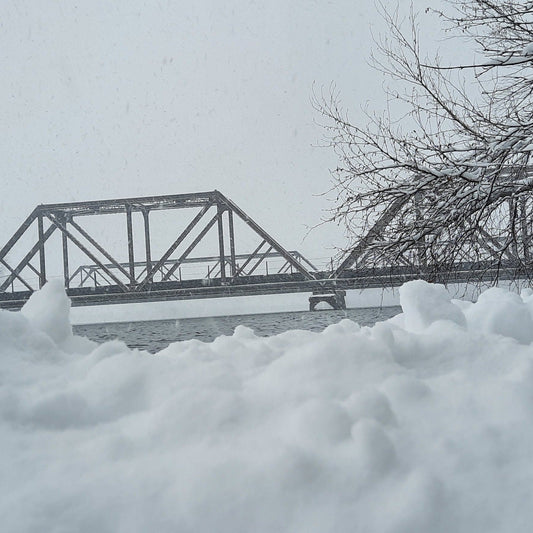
272 284
121 205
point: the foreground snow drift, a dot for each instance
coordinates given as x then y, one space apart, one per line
421 423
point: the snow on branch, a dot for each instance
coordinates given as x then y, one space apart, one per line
459 159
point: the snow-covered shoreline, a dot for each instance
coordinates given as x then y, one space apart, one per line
420 423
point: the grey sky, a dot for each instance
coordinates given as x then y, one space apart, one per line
128 98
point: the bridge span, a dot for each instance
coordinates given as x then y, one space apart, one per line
79 240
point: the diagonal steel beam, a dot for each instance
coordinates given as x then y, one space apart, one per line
250 258
102 250
87 275
102 276
301 258
90 273
33 269
173 246
27 258
490 239
144 269
212 269
284 268
373 233
75 273
171 275
192 246
262 233
260 260
18 234
89 254
22 280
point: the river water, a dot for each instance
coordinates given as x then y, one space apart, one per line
158 334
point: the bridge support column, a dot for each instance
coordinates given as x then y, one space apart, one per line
233 264
64 242
146 216
131 257
42 259
220 213
334 298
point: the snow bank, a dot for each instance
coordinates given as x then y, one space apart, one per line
421 423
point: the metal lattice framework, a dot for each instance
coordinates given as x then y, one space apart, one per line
152 277
268 268
94 275
492 251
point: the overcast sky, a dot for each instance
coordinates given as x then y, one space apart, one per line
129 98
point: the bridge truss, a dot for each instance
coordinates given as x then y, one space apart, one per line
98 268
500 247
100 275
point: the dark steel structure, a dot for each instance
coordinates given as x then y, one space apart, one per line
513 261
105 279
268 268
94 275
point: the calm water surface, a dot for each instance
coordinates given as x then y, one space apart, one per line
158 334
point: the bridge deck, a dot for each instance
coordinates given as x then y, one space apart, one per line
271 284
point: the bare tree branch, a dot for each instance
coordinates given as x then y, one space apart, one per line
458 162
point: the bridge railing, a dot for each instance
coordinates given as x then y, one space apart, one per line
203 267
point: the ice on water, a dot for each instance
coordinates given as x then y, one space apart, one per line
420 423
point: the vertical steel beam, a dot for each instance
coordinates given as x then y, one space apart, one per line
524 229
66 274
42 259
220 210
131 257
175 244
233 265
146 216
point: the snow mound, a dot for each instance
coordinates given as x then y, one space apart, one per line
423 304
417 424
49 310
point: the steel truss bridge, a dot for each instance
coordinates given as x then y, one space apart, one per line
92 273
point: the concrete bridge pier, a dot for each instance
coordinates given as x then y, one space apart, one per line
335 298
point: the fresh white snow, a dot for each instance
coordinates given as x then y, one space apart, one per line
418 424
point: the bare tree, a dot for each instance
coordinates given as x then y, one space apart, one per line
450 181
